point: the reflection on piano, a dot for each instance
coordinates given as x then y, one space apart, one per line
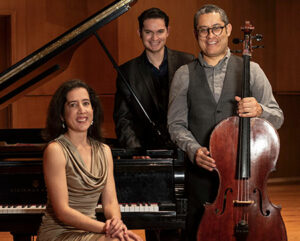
53 58
150 192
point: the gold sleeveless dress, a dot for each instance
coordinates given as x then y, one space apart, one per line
84 190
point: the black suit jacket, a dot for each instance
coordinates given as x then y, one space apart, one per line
132 128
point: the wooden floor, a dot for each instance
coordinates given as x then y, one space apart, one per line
286 195
8 237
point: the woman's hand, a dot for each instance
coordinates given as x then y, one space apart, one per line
115 228
129 236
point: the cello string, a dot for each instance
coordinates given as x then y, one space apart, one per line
248 178
243 199
240 182
237 207
247 189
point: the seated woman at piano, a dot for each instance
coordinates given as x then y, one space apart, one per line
78 169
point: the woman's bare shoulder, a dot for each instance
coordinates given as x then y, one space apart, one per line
53 146
53 152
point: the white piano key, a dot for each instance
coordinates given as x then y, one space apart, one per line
22 209
142 208
136 208
150 208
126 208
131 208
40 208
147 207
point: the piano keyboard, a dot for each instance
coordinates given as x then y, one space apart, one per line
33 209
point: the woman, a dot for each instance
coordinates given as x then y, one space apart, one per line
78 168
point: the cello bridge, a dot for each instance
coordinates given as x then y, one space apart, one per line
242 202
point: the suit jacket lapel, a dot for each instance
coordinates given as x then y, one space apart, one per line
171 65
145 76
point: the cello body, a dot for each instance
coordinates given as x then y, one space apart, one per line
245 150
242 210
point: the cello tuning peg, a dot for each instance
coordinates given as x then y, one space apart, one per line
257 46
258 37
237 41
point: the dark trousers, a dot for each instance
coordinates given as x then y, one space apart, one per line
201 187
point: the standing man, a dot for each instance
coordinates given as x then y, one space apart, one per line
205 92
149 75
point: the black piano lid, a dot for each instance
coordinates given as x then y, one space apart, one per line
72 37
21 135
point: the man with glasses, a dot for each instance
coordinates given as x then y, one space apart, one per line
205 92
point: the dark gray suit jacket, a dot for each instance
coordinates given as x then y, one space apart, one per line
132 128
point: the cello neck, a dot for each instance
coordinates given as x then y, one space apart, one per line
243 171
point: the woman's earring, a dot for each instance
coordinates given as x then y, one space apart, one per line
92 122
63 125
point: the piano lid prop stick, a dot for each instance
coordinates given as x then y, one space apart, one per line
127 85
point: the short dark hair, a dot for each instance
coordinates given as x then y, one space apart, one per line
152 13
54 123
210 8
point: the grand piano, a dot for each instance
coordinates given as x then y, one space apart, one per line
150 192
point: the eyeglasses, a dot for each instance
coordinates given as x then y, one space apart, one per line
217 30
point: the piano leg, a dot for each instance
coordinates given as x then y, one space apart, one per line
164 234
22 236
152 234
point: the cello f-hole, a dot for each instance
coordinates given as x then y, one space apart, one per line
224 201
267 212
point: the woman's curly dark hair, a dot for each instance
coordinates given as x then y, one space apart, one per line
54 124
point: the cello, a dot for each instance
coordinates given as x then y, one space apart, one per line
244 158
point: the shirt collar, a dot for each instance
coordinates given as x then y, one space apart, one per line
164 62
221 62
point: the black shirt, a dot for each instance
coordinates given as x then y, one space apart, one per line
160 78
161 84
